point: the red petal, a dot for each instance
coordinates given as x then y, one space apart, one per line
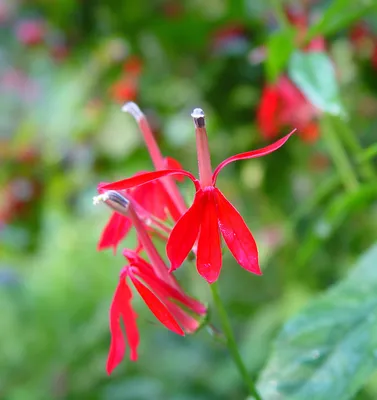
170 296
121 306
129 319
184 233
157 307
252 154
209 257
165 291
115 230
187 321
155 199
172 163
267 113
140 179
146 273
236 234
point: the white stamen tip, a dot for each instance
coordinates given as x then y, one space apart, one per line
133 109
197 113
100 198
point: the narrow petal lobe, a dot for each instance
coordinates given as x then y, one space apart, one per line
184 233
157 307
209 256
115 230
237 236
252 154
121 307
146 177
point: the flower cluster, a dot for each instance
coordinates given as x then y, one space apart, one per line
151 203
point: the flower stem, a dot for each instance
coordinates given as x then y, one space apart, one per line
350 140
231 342
338 155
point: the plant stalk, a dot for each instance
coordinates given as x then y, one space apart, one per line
231 342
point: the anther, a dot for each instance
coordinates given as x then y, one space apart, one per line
198 117
114 200
133 109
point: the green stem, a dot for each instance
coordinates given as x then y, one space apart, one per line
231 342
366 169
338 155
323 190
368 153
280 14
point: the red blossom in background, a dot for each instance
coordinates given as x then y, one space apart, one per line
163 300
30 32
126 88
364 42
281 105
210 214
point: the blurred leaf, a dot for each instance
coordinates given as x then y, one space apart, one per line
339 15
280 46
314 75
340 209
330 349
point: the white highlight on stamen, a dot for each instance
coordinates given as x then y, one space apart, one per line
133 109
100 198
197 113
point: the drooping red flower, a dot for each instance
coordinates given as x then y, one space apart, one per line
210 214
170 305
281 105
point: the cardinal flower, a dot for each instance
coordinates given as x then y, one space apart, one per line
210 215
164 301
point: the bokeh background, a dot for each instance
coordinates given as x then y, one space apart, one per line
66 67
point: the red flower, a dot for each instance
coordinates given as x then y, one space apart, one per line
210 214
162 299
282 104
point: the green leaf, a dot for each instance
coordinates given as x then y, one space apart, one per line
339 15
280 46
329 350
314 75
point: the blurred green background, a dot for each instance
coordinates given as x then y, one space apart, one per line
66 67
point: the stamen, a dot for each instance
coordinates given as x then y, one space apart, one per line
199 117
133 109
204 158
114 200
100 198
